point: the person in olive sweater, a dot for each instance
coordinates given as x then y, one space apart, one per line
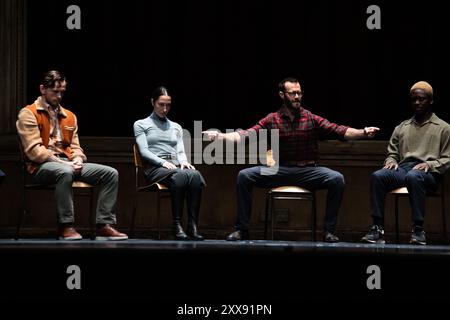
418 156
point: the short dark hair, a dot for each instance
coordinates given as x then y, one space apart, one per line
159 91
282 83
51 78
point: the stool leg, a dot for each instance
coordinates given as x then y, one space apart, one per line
266 220
444 220
22 214
272 215
396 219
92 213
158 213
133 215
313 217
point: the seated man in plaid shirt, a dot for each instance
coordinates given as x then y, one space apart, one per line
299 132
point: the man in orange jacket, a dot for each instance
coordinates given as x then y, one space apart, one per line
49 136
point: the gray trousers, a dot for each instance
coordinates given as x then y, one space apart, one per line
62 176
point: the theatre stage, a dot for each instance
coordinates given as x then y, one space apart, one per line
170 274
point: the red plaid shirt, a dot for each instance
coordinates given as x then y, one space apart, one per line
298 138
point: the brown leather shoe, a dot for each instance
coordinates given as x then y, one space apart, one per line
107 232
68 232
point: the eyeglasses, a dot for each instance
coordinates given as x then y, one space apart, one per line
294 93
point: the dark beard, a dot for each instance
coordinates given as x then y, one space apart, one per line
290 106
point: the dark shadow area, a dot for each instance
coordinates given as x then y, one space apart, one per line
163 275
223 59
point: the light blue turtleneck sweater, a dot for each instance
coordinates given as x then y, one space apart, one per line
158 137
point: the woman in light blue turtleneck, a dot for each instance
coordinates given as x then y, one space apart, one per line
160 143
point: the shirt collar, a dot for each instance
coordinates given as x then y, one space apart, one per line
156 117
433 119
284 111
41 104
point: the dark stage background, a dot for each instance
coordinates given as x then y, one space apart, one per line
223 59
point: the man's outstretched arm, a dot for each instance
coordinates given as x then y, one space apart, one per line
367 132
216 135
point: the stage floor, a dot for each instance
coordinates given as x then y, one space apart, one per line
168 274
260 246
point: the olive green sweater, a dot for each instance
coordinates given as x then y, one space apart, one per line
428 142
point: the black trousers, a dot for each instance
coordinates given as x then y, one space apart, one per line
185 184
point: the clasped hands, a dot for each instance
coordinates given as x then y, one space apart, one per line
76 164
183 165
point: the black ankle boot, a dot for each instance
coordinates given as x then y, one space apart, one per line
193 232
178 232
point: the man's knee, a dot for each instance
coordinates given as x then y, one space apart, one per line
114 173
64 173
336 179
109 174
377 177
244 175
414 176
